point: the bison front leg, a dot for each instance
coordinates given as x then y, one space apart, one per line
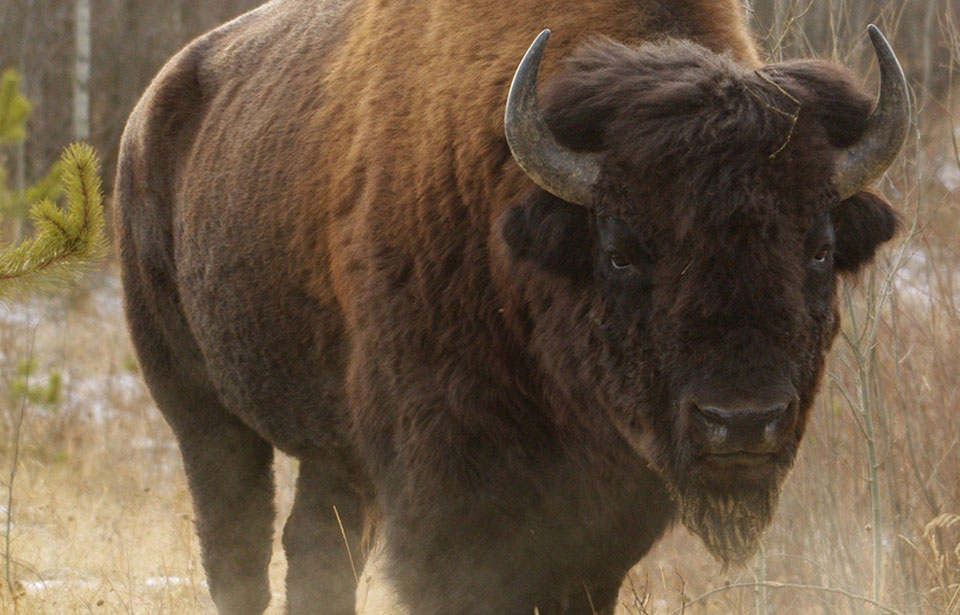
320 574
472 559
230 473
463 576
596 599
229 466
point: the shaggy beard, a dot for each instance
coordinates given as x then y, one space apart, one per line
730 524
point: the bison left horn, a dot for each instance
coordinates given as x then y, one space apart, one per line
864 162
560 171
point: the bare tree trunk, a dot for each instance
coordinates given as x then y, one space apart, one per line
20 179
81 75
749 14
178 22
819 31
779 23
928 38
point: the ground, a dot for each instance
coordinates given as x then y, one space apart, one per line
101 520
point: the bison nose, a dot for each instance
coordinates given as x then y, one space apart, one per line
731 417
742 426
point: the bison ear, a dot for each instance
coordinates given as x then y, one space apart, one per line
550 232
862 223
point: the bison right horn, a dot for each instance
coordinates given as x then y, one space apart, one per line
559 170
864 162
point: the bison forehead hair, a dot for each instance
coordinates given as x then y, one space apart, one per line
678 119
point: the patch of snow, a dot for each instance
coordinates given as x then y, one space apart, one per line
35 587
949 176
167 581
142 443
98 398
108 298
375 592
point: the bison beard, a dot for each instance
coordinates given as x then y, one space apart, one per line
730 523
729 517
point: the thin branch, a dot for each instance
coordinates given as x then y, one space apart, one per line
7 557
799 586
346 543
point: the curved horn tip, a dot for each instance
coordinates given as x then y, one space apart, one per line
883 48
864 163
560 171
536 48
892 71
543 36
519 96
878 38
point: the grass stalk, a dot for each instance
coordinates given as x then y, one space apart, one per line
12 476
882 608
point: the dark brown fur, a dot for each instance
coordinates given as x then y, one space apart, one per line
327 249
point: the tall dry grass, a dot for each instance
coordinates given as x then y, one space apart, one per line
101 519
100 515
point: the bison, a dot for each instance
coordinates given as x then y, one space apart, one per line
513 342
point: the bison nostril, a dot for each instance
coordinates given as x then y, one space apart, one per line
715 415
729 417
741 426
770 431
717 433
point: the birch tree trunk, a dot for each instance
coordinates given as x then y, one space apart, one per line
20 179
81 73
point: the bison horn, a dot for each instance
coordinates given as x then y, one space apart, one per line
864 162
560 171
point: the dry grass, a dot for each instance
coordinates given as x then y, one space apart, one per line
102 521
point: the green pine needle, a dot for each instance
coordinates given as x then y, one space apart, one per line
14 109
66 241
15 204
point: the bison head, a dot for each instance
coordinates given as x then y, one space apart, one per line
678 267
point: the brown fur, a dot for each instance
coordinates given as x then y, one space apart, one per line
327 249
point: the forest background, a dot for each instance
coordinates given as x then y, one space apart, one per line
94 512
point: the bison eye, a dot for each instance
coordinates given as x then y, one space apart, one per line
619 261
822 254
